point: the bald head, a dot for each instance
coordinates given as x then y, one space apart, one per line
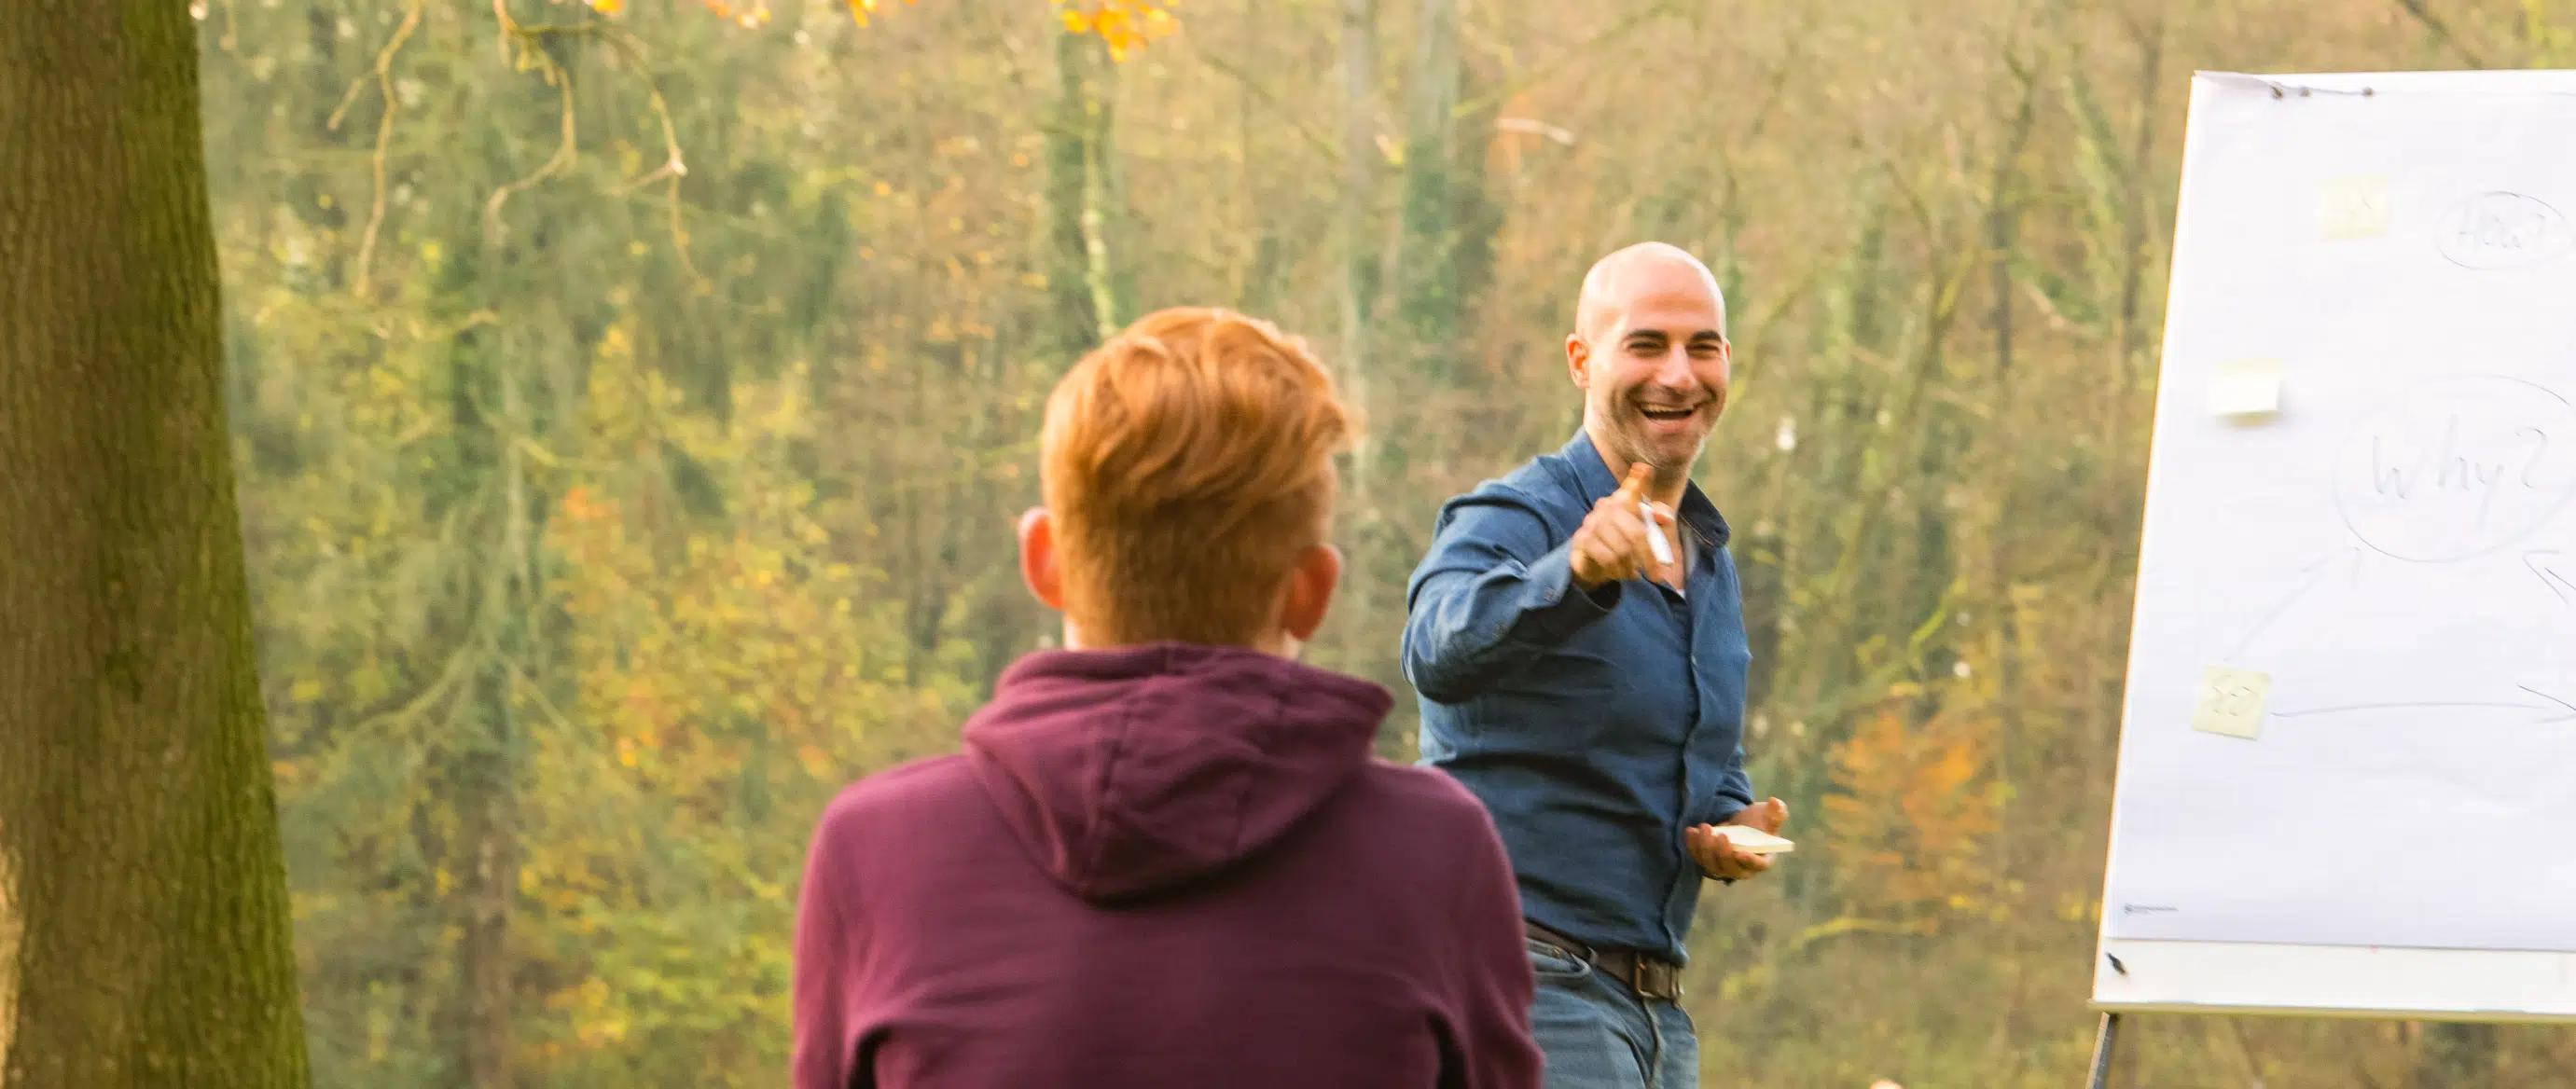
1617 282
1649 352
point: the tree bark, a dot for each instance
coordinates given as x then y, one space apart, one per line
137 811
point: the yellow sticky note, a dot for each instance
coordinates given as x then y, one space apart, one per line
2245 387
2353 207
2231 702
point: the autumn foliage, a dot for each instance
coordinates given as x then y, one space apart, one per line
1124 26
631 422
1913 813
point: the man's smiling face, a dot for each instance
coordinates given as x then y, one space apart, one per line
1651 356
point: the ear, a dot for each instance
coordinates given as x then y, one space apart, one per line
1309 593
1578 361
1038 560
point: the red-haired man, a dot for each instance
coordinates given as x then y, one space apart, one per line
1166 857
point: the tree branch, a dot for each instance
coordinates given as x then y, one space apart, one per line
2440 31
1330 153
561 160
384 137
1474 106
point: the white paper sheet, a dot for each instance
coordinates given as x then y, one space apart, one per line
2394 552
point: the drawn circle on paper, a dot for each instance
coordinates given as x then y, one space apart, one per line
2457 467
2500 230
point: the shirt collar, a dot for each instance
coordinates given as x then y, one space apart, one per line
1596 483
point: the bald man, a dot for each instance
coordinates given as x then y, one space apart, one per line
1586 681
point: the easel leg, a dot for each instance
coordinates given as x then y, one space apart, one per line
2102 1046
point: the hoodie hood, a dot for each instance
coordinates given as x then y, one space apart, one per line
1128 771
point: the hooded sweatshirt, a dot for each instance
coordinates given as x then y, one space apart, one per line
1164 865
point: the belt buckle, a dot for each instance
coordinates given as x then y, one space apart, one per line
1656 979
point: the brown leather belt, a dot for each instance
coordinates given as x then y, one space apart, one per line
1648 975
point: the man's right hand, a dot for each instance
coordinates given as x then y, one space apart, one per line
1611 544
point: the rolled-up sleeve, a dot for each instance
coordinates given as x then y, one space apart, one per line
1491 596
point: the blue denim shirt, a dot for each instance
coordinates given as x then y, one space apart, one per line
1595 726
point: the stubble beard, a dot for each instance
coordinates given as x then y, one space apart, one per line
1637 444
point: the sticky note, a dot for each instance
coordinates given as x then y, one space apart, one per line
2245 387
2231 702
2353 207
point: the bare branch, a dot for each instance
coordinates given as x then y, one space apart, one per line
1474 106
673 167
384 140
2440 31
1330 153
560 162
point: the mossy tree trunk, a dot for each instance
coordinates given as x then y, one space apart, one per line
138 826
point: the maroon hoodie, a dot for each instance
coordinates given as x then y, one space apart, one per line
1166 865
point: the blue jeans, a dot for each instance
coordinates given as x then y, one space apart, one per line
1598 1034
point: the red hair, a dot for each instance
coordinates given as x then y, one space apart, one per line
1187 464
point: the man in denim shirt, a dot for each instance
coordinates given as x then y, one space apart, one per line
1588 686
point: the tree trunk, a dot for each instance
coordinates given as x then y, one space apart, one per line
489 771
137 811
1361 258
1419 263
1360 155
2003 211
2128 334
490 403
491 881
1447 224
1081 273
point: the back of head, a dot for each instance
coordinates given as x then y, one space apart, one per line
1187 464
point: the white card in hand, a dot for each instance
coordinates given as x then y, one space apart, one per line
1754 841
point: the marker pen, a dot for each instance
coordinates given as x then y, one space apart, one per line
1655 533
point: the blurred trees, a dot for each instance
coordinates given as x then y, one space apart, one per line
631 406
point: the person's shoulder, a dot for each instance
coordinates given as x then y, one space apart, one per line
1541 479
1539 486
1423 823
1425 798
907 794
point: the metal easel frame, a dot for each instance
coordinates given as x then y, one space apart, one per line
2102 1045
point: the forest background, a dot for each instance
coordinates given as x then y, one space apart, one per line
632 402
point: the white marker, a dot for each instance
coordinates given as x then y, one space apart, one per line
1655 533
